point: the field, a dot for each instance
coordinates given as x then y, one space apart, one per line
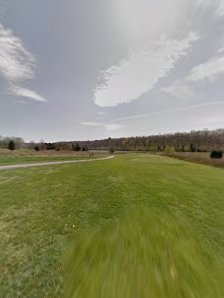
137 225
199 157
28 156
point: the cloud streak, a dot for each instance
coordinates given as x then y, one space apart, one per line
107 126
141 70
16 64
187 108
27 93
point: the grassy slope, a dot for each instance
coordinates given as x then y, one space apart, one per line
138 226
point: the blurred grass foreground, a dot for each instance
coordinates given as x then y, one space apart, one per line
146 254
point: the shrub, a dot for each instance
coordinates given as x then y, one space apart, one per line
111 150
36 148
11 145
76 147
216 154
84 148
169 150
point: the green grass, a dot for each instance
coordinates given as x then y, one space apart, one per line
134 226
14 159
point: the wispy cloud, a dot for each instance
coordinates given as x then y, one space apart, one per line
107 126
86 123
141 70
178 89
16 64
186 108
217 6
27 93
101 115
210 70
113 127
221 50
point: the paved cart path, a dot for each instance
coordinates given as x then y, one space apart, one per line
49 163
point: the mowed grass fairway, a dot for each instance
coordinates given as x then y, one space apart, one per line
134 226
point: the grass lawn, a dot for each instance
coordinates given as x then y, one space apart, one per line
14 159
134 226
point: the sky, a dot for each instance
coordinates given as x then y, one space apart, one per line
85 70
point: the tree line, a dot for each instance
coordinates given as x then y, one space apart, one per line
57 146
194 141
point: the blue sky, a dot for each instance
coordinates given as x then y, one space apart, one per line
93 69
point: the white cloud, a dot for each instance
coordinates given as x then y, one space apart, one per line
178 89
16 64
210 70
23 92
141 70
107 126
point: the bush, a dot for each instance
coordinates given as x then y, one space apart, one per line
76 147
36 148
84 148
111 150
216 154
11 145
169 150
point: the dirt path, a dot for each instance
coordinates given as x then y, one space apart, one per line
20 166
